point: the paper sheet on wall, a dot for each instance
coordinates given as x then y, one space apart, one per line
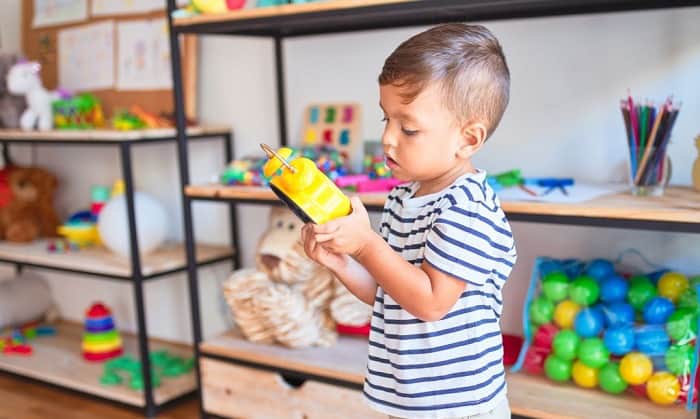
143 59
125 7
58 12
86 56
580 192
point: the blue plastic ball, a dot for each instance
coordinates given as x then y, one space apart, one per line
658 310
619 340
613 289
589 322
655 276
600 269
618 314
652 340
550 265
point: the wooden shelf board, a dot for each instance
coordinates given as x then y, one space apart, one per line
100 261
85 135
58 360
530 396
679 204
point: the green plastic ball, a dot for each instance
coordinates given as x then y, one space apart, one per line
682 325
555 286
679 359
640 292
593 353
565 344
689 299
584 290
557 369
541 310
610 380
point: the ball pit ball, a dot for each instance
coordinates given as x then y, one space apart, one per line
555 286
584 290
672 284
593 353
584 375
565 345
544 336
682 325
557 369
652 340
589 322
679 359
541 310
641 291
564 314
663 388
600 268
610 379
636 368
613 289
689 299
618 314
550 266
619 340
658 310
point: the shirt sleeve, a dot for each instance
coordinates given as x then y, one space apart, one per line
459 244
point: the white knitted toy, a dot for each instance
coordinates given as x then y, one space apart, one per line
23 79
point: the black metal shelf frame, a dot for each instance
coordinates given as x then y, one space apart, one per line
384 16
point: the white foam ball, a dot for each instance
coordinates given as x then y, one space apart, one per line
151 224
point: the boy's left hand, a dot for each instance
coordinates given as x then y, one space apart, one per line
346 235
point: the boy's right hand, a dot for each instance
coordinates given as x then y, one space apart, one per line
319 254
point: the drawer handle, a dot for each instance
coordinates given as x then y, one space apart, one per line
293 381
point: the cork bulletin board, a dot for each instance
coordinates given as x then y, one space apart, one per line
41 44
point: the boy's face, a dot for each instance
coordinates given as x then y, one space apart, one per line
422 139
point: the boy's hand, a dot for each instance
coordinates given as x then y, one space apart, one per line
346 235
333 261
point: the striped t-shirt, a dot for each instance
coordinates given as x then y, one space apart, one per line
452 367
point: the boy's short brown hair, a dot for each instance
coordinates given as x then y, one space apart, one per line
466 61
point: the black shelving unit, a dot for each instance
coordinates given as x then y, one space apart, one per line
124 142
374 15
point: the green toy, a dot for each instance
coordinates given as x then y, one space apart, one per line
541 311
679 359
610 379
565 345
584 291
593 353
117 370
555 286
557 369
682 325
641 290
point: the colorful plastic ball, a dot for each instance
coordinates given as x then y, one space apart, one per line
584 291
619 340
641 291
589 322
557 369
584 375
600 268
636 368
541 310
565 345
679 359
610 379
544 336
613 289
565 313
689 299
618 314
652 340
663 388
658 310
672 284
555 286
682 325
593 353
550 266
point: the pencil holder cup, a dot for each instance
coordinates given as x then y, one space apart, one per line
650 171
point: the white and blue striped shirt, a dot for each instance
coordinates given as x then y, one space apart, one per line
452 367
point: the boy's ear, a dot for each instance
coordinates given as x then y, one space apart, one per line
474 135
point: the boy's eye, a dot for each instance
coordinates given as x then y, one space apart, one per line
409 132
385 119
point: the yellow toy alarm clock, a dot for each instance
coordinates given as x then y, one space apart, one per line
309 193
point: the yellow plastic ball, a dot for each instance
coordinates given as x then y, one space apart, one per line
672 284
636 368
663 388
584 376
565 313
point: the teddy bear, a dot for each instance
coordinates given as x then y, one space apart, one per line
11 106
288 298
27 204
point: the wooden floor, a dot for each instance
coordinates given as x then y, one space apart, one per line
22 399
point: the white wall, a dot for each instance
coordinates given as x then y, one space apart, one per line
568 74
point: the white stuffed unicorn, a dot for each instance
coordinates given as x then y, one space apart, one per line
23 79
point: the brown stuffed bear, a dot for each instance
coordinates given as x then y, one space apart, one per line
26 204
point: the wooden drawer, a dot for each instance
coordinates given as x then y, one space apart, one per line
243 392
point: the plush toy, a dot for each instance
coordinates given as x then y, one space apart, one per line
26 204
11 106
23 79
288 298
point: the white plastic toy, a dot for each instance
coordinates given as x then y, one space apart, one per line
23 79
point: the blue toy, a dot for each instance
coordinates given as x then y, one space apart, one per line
589 322
658 310
652 340
618 314
600 269
619 340
613 289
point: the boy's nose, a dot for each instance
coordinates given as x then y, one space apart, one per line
388 140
